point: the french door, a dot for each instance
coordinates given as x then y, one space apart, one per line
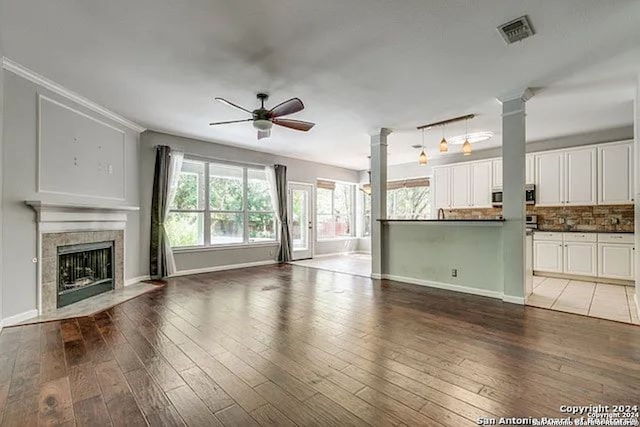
301 219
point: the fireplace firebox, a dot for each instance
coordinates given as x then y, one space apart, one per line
84 270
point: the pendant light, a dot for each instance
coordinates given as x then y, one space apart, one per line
466 147
444 145
422 158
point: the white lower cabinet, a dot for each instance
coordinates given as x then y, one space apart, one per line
616 261
580 258
605 255
547 256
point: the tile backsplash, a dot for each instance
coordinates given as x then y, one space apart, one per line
603 218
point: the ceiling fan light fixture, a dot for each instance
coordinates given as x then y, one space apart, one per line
466 148
262 124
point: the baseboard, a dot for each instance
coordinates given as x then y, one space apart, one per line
222 268
135 280
333 254
513 300
377 276
637 303
18 318
592 279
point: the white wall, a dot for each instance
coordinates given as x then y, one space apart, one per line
19 166
297 170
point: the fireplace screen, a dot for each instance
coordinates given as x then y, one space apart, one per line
83 271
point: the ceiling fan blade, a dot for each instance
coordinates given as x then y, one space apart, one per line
294 124
264 134
230 121
231 104
290 106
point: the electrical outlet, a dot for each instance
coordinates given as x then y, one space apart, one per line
454 272
560 220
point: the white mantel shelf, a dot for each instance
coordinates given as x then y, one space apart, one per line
65 214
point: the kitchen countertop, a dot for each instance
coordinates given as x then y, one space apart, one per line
585 231
441 220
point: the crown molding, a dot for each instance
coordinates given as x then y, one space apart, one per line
36 78
522 94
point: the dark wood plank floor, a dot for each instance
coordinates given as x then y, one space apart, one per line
295 346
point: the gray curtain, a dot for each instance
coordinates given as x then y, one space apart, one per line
284 254
158 254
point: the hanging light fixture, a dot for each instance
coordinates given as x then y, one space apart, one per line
422 158
466 147
444 146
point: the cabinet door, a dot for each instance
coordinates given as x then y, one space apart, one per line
580 177
616 261
496 173
481 184
549 179
547 256
615 174
581 258
530 170
460 186
441 187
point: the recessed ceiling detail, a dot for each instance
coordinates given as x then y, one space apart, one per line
473 137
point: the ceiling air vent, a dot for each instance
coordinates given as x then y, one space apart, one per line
516 30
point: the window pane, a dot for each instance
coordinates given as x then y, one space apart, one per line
262 227
185 229
323 201
343 208
225 187
326 226
226 228
409 203
367 215
190 190
258 195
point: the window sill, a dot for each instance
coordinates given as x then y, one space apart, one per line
337 239
224 247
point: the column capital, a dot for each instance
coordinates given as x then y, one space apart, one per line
383 132
522 95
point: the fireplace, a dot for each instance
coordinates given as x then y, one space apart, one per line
84 270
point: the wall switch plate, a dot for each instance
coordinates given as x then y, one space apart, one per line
560 220
454 272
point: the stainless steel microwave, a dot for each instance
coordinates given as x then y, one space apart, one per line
529 195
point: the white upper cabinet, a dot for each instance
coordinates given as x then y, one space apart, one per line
442 187
481 184
615 174
460 188
496 180
530 170
549 173
580 177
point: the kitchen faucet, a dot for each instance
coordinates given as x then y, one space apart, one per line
440 213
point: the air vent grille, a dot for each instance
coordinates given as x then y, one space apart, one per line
516 30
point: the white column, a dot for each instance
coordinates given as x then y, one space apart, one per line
636 190
513 202
2 249
378 198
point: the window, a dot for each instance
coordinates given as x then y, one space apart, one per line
232 206
410 199
334 209
366 210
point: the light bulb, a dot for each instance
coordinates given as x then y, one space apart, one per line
444 146
466 148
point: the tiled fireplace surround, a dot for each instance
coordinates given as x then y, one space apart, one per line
601 218
50 244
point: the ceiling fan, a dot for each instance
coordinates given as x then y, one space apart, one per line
263 119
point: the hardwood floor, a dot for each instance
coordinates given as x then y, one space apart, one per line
290 345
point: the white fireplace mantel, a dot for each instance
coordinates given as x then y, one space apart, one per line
50 213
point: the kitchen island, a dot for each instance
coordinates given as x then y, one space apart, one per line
458 255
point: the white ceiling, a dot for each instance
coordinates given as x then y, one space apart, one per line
358 65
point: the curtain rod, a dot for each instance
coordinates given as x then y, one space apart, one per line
214 159
446 122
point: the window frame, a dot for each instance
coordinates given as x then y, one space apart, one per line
207 211
353 216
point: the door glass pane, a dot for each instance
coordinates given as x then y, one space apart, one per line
225 187
185 228
226 228
299 220
262 227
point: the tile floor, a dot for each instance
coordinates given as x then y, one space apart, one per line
613 302
358 264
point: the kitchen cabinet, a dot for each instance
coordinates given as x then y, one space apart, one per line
580 258
547 255
530 170
481 184
580 177
442 187
549 170
460 188
616 256
615 174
